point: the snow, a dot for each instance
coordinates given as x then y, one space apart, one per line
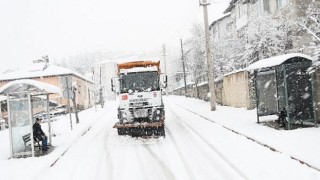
234 72
3 98
40 85
274 61
139 69
194 148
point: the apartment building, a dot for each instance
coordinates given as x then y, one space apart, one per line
239 13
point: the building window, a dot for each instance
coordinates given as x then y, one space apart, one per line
241 33
242 9
229 26
282 3
266 5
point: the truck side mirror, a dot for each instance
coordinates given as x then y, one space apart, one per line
164 80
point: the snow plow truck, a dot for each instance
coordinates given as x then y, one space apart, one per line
139 87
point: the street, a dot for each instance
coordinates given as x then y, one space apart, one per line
194 148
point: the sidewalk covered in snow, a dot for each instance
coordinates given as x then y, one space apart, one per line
26 98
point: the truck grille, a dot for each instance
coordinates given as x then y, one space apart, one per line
138 104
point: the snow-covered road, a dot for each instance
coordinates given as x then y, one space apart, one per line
194 148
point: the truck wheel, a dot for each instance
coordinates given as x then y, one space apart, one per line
159 131
121 131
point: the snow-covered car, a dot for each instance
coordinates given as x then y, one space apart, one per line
44 117
59 110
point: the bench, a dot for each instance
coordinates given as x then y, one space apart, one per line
26 138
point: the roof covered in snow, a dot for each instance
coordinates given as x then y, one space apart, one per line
275 61
40 70
2 98
232 4
32 86
234 72
219 19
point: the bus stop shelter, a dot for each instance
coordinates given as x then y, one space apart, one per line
284 83
22 103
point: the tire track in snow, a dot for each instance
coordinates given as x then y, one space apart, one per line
164 168
185 164
252 139
108 158
213 148
82 134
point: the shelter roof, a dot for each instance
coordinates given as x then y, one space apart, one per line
275 61
32 86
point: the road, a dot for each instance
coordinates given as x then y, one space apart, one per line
194 148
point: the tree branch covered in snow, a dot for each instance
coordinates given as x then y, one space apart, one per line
266 37
227 55
82 63
263 37
311 24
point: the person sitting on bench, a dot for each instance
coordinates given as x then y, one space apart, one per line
282 118
39 135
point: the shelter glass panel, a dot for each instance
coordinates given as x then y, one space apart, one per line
281 88
20 124
267 92
300 99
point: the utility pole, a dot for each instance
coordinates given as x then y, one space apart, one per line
209 55
68 97
165 65
100 92
184 71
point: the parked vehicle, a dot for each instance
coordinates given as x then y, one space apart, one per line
59 110
44 117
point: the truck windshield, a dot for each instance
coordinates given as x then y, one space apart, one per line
139 81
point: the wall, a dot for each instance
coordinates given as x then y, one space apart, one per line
201 92
235 90
220 93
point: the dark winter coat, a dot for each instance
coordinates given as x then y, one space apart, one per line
37 132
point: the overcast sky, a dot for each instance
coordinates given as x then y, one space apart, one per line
62 28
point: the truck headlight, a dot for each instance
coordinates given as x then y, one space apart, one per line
124 114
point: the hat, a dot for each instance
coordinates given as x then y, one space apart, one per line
38 119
